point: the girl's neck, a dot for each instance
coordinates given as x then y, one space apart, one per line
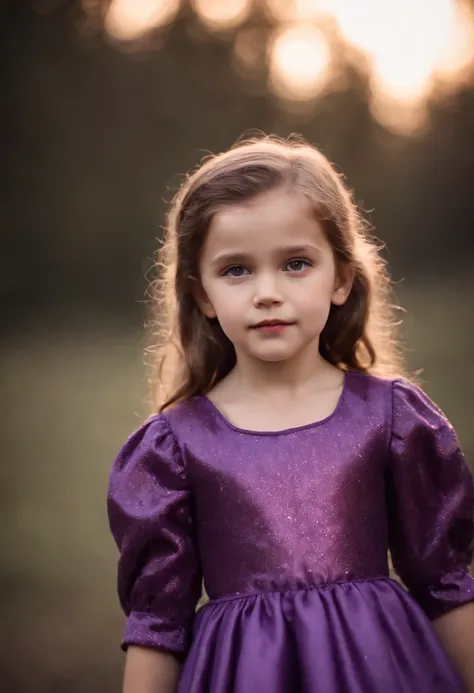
257 379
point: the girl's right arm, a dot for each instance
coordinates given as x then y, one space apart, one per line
150 671
159 577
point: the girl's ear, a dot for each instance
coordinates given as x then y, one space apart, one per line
343 285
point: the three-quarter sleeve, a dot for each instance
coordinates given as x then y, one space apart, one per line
431 506
150 515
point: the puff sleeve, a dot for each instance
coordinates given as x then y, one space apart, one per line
431 506
150 516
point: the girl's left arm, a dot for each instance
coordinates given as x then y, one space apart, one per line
456 632
430 495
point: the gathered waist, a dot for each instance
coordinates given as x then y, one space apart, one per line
285 592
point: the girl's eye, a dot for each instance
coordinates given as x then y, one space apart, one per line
235 271
297 265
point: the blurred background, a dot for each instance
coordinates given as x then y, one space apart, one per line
105 105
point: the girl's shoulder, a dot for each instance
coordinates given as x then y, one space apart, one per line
188 419
398 386
187 410
163 428
399 397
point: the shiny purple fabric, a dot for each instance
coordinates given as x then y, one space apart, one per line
290 532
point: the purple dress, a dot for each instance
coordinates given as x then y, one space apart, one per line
290 531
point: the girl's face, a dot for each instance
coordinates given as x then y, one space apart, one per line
268 275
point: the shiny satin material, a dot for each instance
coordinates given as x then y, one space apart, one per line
290 532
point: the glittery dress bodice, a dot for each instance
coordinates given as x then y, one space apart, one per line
289 511
192 497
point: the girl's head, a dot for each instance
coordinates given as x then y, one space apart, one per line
267 231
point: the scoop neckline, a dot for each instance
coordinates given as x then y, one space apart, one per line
283 431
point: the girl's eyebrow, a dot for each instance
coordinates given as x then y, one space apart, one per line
299 249
227 258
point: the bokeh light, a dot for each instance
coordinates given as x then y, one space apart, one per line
410 48
127 20
293 10
249 48
400 117
459 54
222 14
299 61
406 42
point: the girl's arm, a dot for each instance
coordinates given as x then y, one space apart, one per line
431 510
159 575
150 671
456 632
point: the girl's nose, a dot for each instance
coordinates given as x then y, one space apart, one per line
267 292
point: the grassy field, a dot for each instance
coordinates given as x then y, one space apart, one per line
68 400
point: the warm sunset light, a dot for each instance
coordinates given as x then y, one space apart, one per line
299 61
293 10
222 14
129 19
409 47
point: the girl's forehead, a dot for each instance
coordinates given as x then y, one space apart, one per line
270 220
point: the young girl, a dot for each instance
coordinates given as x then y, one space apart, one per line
287 457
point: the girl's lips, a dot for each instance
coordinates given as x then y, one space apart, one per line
271 326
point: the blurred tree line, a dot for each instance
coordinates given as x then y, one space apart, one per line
95 139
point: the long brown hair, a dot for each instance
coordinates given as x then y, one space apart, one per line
191 353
